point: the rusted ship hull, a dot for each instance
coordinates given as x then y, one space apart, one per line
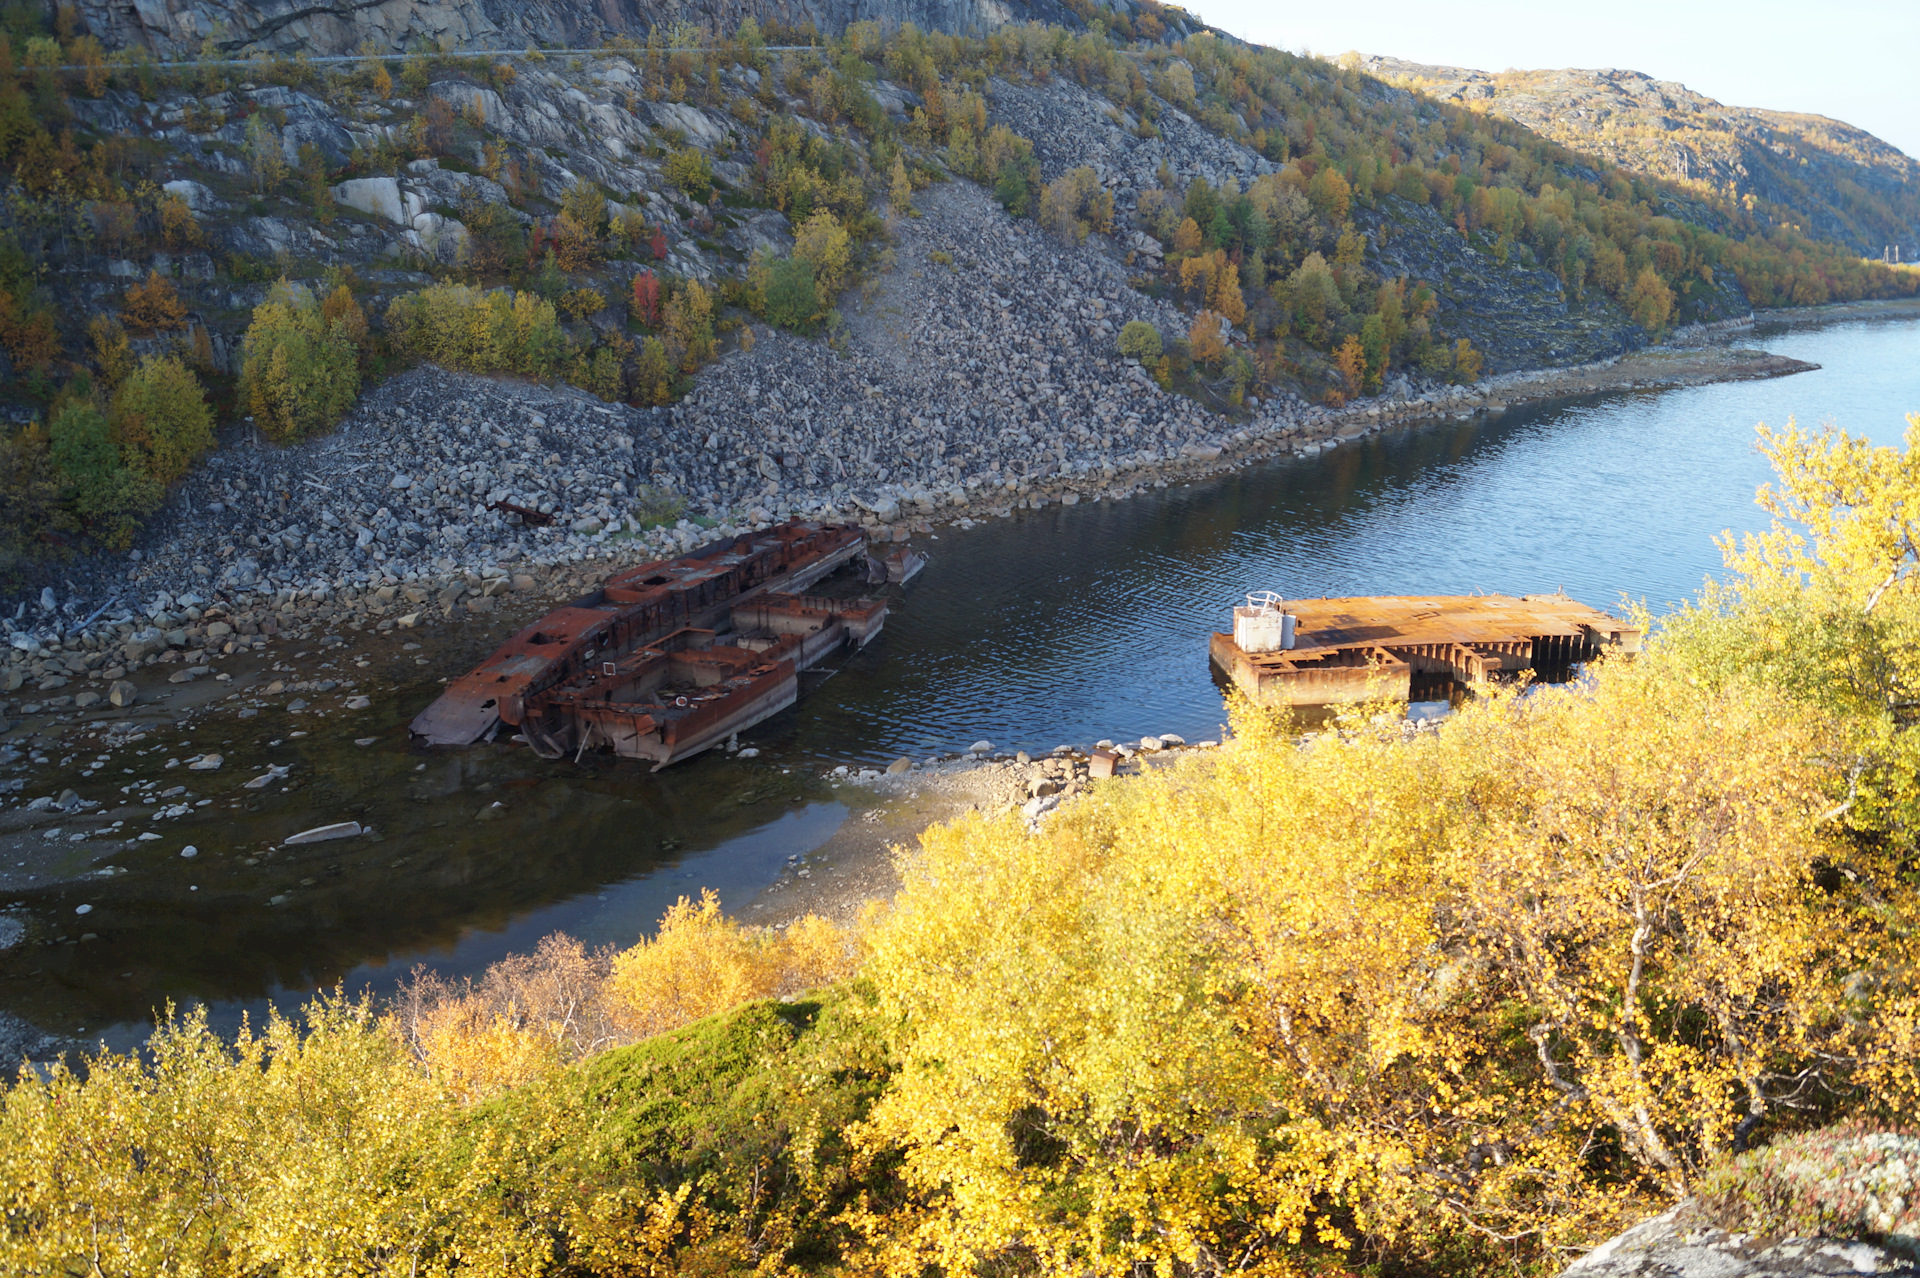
695 688
634 609
1341 651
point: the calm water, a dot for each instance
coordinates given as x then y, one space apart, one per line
1056 626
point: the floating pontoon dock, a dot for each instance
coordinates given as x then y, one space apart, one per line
1323 652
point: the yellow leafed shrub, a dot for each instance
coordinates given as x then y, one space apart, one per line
1379 987
701 962
459 326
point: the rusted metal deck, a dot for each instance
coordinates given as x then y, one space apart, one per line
1338 651
632 610
695 688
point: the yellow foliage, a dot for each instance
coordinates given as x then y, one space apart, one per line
138 1170
1225 296
1197 274
1187 238
1076 204
474 1054
689 321
1350 361
112 353
1466 362
178 227
701 962
1208 344
1369 981
822 241
583 303
900 188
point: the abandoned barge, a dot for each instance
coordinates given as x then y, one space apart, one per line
1312 654
673 657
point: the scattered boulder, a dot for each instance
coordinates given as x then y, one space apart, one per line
325 833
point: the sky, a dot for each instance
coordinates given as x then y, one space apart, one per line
1852 60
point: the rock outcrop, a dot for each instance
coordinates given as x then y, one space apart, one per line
1676 1245
179 28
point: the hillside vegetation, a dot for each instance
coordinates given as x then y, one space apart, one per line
1453 1002
1828 178
1321 236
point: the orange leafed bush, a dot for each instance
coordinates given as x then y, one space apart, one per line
1209 346
154 305
30 339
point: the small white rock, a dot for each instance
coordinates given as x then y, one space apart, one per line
189 851
83 909
981 747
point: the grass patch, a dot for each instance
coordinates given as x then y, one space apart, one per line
750 1109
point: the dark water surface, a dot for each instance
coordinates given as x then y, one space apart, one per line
1057 626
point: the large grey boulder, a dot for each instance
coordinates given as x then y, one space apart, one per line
1678 1244
376 197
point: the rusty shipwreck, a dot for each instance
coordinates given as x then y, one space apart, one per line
670 658
1313 654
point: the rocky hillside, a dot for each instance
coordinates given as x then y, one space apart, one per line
182 28
1839 182
891 274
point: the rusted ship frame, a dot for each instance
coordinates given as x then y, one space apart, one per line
634 609
693 689
1314 653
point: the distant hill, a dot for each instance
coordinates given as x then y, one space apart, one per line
1835 181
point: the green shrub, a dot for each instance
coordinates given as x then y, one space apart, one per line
657 507
29 501
653 375
459 326
792 297
1140 340
689 170
299 373
97 484
160 419
1013 186
1846 1182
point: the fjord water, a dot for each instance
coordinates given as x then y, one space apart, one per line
1074 623
1062 625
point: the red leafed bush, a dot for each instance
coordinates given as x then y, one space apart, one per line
646 298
